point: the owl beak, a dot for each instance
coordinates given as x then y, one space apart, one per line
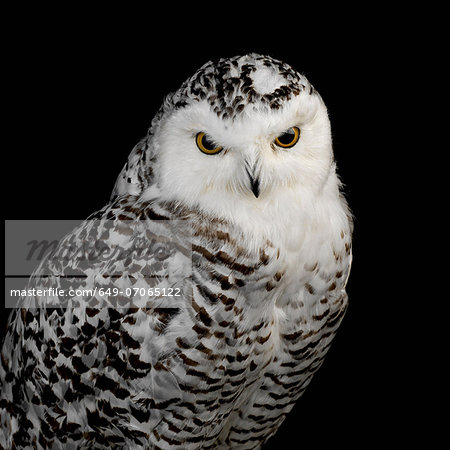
254 183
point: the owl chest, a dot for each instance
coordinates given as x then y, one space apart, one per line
254 302
295 301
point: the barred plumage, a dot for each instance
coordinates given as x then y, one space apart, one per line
262 280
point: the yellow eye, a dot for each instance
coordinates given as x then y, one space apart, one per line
289 138
206 145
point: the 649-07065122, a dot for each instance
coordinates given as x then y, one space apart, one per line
151 292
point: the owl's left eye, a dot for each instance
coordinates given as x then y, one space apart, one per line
289 138
205 144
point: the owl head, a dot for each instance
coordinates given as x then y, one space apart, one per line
246 130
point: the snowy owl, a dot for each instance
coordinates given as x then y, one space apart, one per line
228 245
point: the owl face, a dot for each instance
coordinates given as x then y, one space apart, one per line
245 130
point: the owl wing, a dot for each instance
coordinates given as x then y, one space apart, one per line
89 364
137 173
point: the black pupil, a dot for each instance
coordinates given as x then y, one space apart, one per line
207 143
287 137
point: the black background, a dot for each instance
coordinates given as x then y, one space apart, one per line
81 96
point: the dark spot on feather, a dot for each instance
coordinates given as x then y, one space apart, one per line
241 357
204 316
278 276
64 372
112 336
78 365
117 363
321 316
263 257
80 387
201 331
227 301
258 327
114 315
293 336
48 397
136 363
87 329
263 339
95 421
207 294
9 377
87 348
182 344
106 384
53 378
188 361
129 341
121 393
139 414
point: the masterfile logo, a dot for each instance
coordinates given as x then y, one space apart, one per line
110 262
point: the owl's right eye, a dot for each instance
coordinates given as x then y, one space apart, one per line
205 144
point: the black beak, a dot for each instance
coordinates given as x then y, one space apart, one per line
254 183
